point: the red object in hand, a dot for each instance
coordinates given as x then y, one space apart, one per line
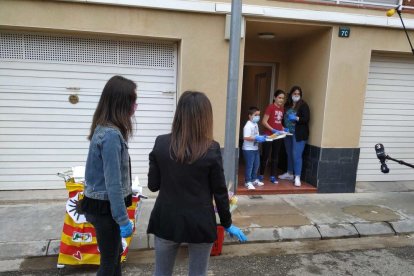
218 244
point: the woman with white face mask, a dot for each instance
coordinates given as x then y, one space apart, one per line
296 119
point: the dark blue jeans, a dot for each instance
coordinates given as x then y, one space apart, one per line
252 159
109 242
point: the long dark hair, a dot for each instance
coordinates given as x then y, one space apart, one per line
277 93
289 102
116 106
192 128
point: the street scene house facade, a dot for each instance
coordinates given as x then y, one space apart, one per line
354 64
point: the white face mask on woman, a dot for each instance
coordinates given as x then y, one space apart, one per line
295 99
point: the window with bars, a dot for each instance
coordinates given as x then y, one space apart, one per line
85 50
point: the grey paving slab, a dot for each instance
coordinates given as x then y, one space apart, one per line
150 241
34 195
298 233
374 229
140 241
385 186
42 221
268 221
39 219
329 208
372 212
323 208
141 238
403 226
143 215
11 250
341 230
266 208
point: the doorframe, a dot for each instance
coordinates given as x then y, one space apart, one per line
272 84
272 81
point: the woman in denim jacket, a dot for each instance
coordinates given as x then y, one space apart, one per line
108 177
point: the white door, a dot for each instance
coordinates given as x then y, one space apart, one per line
388 118
42 133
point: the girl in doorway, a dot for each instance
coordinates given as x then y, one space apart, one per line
297 121
107 174
272 121
186 168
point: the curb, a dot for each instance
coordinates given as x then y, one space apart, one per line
375 229
339 230
15 250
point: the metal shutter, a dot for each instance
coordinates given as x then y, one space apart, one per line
388 118
42 133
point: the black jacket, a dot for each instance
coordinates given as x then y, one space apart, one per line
183 210
302 126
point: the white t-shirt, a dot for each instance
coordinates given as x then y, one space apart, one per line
250 130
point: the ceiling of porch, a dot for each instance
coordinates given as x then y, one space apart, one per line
282 31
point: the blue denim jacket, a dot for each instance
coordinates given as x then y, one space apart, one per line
107 174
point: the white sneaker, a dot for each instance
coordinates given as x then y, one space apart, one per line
249 186
297 181
258 183
286 176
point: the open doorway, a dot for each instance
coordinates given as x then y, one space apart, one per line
258 83
288 56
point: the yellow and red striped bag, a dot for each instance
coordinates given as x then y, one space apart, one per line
78 241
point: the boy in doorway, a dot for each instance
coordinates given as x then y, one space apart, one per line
250 148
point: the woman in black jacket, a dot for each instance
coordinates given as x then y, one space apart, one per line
186 168
296 119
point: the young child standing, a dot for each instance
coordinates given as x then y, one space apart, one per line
250 148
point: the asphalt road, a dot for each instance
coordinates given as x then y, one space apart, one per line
361 256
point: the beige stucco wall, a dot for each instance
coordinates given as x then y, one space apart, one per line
268 51
203 51
349 65
333 73
323 6
332 70
303 61
308 67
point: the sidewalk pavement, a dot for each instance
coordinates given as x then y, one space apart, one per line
31 221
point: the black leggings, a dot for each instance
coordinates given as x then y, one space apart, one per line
268 147
109 242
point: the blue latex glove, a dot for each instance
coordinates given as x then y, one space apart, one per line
260 138
126 230
276 131
235 231
286 129
292 117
